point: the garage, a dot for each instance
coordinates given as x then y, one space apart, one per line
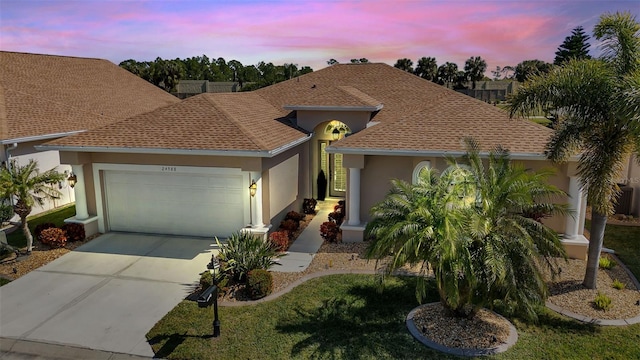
192 204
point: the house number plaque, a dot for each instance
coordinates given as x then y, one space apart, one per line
169 169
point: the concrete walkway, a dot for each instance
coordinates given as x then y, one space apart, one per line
302 251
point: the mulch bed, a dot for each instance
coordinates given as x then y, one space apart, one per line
14 267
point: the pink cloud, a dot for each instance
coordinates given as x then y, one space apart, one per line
303 32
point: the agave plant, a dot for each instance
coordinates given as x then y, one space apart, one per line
244 252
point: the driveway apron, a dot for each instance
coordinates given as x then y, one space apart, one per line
106 294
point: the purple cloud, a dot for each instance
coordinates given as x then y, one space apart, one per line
302 32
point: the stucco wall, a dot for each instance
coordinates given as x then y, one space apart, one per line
283 183
380 170
375 179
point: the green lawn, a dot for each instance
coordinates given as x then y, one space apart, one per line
56 216
625 240
344 317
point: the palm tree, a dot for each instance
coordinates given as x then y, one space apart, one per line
598 104
427 68
474 69
404 64
471 227
447 73
27 186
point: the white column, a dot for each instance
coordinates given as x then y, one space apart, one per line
257 222
583 213
80 194
353 203
575 205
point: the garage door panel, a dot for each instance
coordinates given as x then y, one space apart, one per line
181 204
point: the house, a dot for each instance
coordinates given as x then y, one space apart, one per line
187 168
188 88
44 97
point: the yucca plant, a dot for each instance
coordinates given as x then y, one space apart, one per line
244 252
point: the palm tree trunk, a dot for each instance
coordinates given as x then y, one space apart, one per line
598 223
27 233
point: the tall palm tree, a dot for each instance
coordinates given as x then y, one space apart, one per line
404 64
598 105
471 226
427 68
447 73
474 69
27 186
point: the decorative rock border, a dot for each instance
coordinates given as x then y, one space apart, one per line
603 322
511 340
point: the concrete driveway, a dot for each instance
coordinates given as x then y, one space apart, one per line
106 294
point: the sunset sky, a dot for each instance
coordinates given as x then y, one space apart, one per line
304 32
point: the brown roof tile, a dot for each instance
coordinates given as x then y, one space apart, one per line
235 121
418 115
45 94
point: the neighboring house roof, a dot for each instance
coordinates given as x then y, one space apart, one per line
413 115
44 94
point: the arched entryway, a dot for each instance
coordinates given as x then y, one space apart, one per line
331 164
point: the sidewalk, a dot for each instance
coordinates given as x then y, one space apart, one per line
302 251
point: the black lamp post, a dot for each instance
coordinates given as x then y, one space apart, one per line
210 294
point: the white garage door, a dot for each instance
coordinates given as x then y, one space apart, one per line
178 204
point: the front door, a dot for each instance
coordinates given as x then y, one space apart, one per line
336 174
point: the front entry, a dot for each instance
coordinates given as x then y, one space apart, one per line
336 174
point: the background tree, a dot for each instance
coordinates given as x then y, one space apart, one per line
474 69
27 186
528 68
447 73
575 46
359 61
427 68
508 72
332 62
470 226
404 64
597 102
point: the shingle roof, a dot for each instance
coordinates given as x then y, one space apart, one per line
234 121
337 96
45 94
417 115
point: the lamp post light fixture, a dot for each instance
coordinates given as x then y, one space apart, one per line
72 179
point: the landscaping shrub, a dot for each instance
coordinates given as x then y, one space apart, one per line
309 206
295 216
606 263
75 232
290 225
206 280
617 284
244 252
39 228
259 283
602 302
338 214
280 240
329 231
53 237
6 212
